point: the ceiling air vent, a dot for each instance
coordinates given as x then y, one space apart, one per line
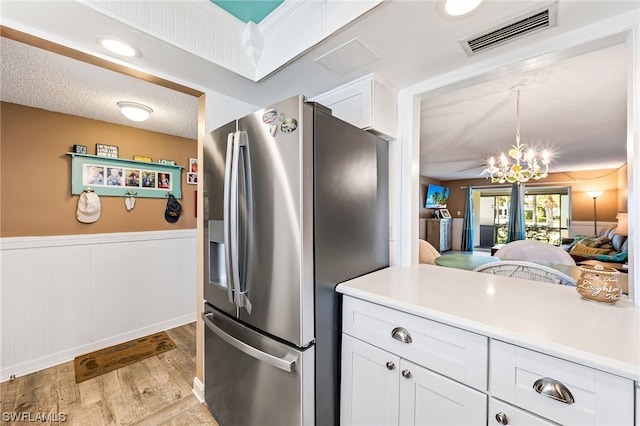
537 21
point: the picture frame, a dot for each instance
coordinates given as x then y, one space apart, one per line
444 213
192 172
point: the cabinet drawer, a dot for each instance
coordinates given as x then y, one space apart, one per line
447 350
599 398
500 412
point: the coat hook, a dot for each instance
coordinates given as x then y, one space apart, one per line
131 193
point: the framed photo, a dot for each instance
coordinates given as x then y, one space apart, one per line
192 172
193 165
444 213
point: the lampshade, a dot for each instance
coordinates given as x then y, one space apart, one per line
623 223
594 194
134 111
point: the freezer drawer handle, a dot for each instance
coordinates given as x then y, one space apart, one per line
553 389
283 364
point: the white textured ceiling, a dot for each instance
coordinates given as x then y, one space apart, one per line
414 43
41 79
575 108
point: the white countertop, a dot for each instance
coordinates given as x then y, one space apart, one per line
547 318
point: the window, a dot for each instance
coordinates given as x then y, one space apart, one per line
546 213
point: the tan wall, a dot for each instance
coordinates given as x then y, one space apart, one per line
608 204
623 188
35 176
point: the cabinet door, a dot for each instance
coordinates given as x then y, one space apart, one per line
427 398
369 387
501 413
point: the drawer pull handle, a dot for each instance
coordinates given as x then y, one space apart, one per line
401 334
406 374
502 418
390 365
553 389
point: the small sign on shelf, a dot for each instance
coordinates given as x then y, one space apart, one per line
110 151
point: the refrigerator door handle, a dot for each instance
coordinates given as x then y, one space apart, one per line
228 170
242 299
284 364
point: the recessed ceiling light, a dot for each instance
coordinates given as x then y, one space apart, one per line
460 7
118 47
134 111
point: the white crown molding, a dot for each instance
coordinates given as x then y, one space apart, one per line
283 40
279 16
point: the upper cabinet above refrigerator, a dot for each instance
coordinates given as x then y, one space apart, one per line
366 103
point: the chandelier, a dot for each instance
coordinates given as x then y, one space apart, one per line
525 165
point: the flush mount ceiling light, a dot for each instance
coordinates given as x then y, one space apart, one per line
134 111
118 47
460 7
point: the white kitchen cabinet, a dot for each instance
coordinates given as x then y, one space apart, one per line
466 325
568 393
449 351
403 373
379 388
427 398
637 403
366 103
370 385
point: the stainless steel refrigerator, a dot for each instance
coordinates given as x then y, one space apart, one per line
295 202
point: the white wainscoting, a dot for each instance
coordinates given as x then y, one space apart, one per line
586 227
64 296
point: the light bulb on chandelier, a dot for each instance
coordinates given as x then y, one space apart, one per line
526 165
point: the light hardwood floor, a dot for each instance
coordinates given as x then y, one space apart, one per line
154 391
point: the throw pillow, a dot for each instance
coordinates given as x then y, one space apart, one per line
584 250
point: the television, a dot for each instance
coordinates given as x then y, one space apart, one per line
437 197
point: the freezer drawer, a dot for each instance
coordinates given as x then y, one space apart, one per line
252 379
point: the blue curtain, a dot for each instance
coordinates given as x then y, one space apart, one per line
467 225
516 228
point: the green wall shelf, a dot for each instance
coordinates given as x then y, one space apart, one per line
119 177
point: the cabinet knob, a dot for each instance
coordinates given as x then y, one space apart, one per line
406 374
390 365
401 334
502 418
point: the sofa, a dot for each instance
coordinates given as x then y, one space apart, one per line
607 246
